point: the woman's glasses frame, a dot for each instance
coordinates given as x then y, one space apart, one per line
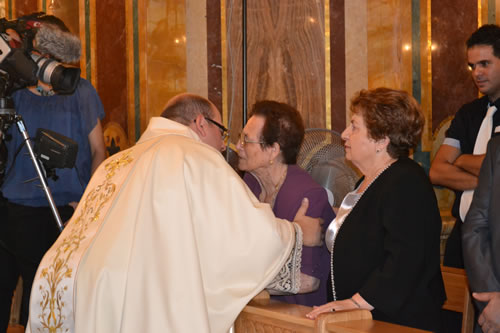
243 141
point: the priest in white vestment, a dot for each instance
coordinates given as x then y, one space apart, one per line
166 238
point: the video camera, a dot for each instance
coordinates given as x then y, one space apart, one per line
30 50
23 44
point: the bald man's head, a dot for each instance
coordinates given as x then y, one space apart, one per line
193 111
185 107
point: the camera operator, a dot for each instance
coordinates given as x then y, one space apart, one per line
29 228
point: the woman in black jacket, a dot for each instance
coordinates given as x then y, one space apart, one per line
385 239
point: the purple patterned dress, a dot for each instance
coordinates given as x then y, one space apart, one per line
315 260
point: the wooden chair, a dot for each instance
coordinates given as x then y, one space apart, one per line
15 329
458 296
15 311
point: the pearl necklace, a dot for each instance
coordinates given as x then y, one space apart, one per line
338 230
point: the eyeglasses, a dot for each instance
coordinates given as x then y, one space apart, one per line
224 132
243 140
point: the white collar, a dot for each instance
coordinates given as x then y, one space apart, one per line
162 126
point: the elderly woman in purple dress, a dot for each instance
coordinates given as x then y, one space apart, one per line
267 149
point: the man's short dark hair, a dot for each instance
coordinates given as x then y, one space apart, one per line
55 21
488 34
47 19
184 108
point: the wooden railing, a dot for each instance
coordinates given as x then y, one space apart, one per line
264 315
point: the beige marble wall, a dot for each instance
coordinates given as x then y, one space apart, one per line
389 44
426 72
497 11
489 11
196 47
378 45
66 10
356 49
2 8
165 72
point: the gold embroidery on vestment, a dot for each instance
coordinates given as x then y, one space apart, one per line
51 318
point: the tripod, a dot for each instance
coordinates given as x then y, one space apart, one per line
7 116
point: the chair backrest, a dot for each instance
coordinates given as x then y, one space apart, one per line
458 296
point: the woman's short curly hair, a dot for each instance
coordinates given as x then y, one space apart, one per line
393 114
284 125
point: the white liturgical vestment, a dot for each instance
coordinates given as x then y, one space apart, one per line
166 238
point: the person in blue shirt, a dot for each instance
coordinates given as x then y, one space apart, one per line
27 226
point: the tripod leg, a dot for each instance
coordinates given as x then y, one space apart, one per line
43 180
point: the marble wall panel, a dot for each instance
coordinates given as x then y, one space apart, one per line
338 65
232 66
23 7
356 49
111 62
452 85
286 56
165 55
496 12
196 47
487 14
66 10
214 53
423 67
389 44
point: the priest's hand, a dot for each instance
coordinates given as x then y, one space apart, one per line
311 227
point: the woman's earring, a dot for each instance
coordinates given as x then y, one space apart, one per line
271 162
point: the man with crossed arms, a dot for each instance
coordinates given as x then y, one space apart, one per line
458 160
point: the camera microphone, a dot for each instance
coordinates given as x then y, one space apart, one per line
61 45
65 47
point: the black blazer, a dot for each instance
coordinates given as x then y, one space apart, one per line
388 249
481 230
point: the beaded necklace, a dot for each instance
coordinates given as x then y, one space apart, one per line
338 230
277 187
